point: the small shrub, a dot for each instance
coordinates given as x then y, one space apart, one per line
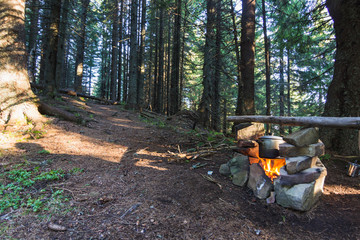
43 151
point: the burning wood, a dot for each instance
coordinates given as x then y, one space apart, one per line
270 166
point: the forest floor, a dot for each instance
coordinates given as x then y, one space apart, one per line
113 180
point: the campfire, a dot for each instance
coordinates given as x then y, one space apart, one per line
288 172
270 166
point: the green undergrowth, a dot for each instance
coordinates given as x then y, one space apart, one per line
210 138
154 122
29 187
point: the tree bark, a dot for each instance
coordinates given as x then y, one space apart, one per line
52 47
141 65
248 55
175 66
17 105
281 87
79 64
34 19
267 67
333 122
132 94
114 49
215 101
240 97
204 109
60 62
120 65
289 85
344 90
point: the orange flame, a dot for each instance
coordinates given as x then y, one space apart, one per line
271 166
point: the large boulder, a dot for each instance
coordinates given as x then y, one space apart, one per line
259 182
304 137
301 196
237 168
302 190
249 131
306 176
289 150
300 163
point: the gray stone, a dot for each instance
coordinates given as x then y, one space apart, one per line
250 131
236 169
306 176
259 182
239 160
301 196
304 137
288 150
298 164
225 169
240 178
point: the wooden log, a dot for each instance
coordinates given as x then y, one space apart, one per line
333 122
53 111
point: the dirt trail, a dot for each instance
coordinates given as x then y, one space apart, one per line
128 190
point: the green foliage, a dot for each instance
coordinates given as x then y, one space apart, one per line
43 151
35 133
325 157
17 188
154 122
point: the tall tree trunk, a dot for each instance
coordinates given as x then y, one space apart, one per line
281 87
159 87
80 48
175 66
60 62
120 51
240 97
45 26
132 98
34 19
267 67
204 109
141 64
215 101
224 125
248 55
114 49
52 47
126 74
344 90
289 86
182 57
168 65
16 98
156 62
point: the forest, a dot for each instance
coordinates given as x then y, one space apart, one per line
106 68
216 58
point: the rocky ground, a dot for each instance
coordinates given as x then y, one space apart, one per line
119 184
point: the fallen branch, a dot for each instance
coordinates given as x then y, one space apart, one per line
131 209
201 153
334 122
211 179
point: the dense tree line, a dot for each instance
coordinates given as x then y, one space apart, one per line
215 57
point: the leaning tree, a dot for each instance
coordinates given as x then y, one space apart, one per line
17 101
344 90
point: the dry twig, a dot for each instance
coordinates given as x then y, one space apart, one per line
211 179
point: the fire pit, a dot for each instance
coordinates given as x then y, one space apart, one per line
295 177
